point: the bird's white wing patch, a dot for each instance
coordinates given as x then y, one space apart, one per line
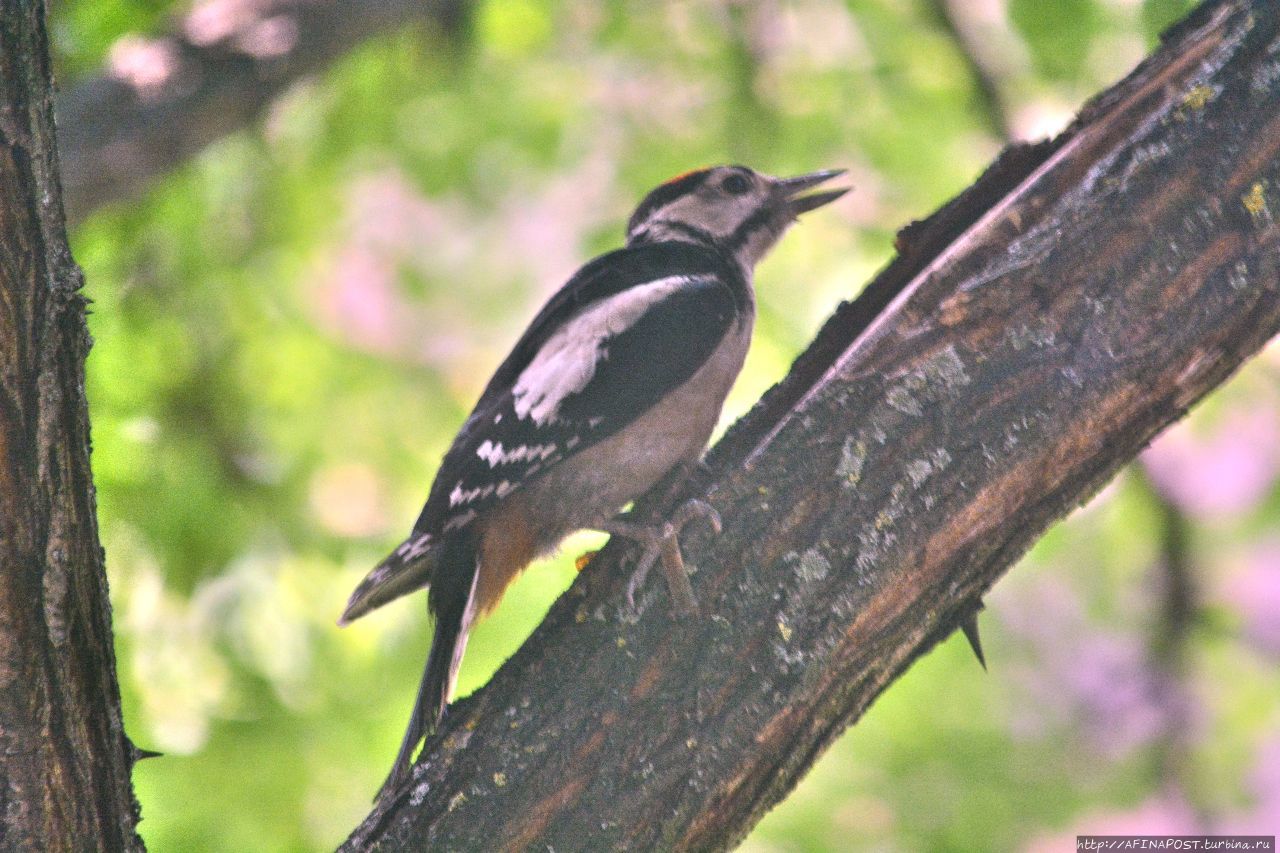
464 631
413 547
496 454
567 361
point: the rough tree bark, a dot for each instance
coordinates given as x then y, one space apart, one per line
1030 339
215 73
64 758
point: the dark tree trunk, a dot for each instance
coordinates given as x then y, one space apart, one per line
64 758
1028 342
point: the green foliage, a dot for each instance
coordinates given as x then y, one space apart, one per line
290 328
1159 15
1059 34
83 33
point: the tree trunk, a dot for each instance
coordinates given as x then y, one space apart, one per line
65 759
1028 342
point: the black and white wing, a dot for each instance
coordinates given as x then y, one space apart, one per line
626 330
629 328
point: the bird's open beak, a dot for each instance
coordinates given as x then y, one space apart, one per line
790 189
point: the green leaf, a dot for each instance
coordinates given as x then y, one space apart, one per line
1058 33
1159 15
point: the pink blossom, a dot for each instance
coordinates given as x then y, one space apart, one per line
360 299
1220 470
1264 783
1165 814
1081 674
1254 590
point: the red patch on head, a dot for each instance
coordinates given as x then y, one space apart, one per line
683 175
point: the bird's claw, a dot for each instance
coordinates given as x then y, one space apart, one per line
691 510
638 576
663 541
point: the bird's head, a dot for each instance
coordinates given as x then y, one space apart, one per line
740 211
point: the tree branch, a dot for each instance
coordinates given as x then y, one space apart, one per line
1171 629
1029 340
64 776
986 83
216 73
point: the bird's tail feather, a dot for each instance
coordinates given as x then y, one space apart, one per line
406 569
453 605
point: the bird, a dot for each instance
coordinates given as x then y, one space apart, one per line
617 382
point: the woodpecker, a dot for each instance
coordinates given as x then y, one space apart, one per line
618 380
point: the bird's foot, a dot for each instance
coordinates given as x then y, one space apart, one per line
662 541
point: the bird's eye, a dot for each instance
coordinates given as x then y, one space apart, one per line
736 184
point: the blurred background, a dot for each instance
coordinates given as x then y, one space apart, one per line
291 324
